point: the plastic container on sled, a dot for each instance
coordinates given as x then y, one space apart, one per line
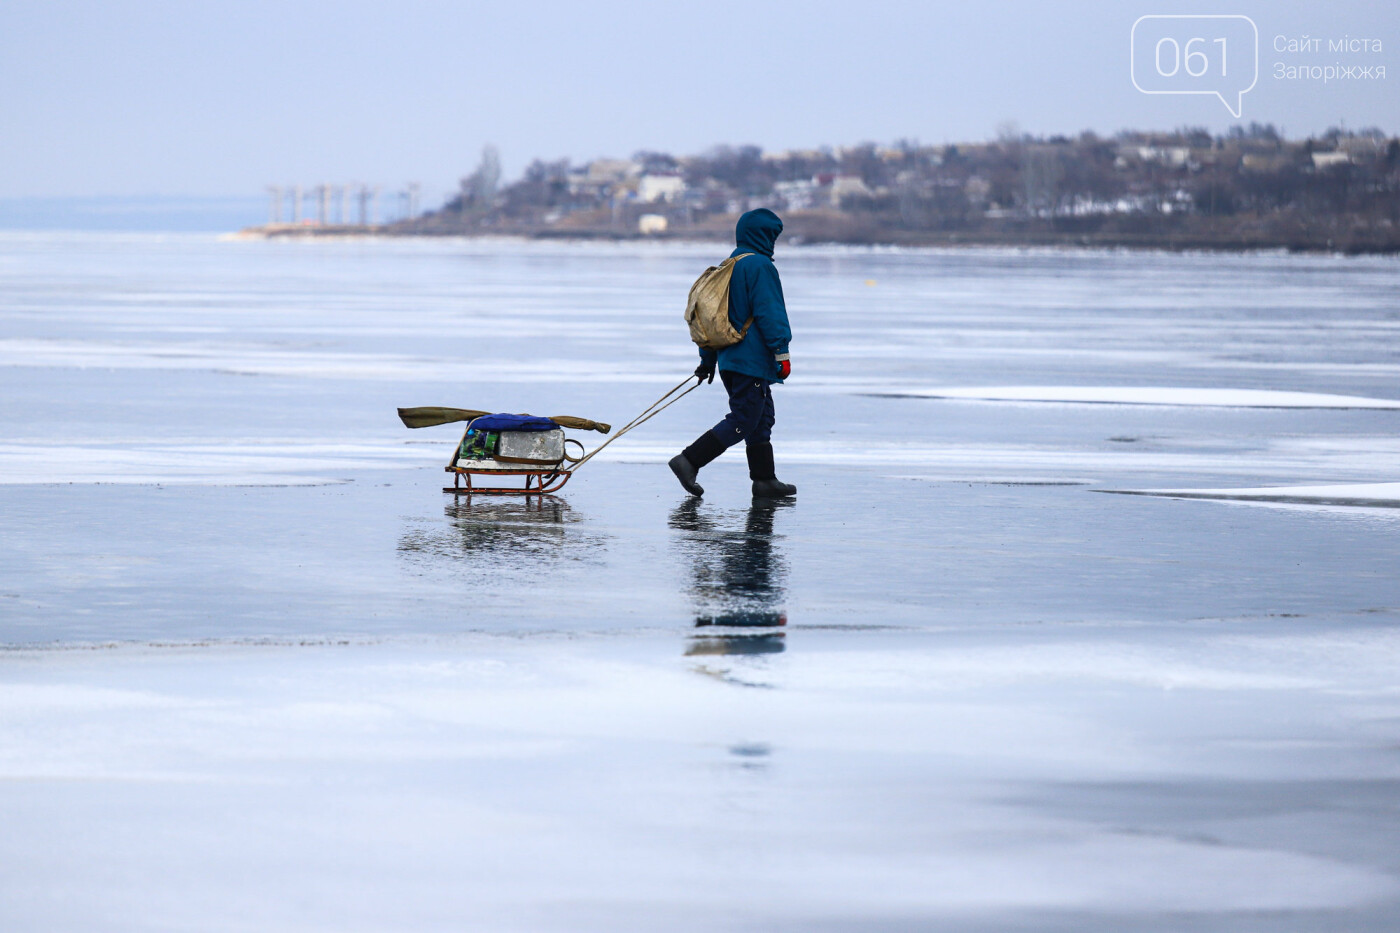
487 453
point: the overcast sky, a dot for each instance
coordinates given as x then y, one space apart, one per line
214 98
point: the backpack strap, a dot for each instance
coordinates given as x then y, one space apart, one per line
743 331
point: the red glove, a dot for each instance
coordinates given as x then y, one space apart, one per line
784 368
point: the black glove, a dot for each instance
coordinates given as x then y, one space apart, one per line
705 372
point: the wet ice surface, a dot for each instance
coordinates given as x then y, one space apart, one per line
260 673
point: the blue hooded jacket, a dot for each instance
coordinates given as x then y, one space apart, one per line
756 290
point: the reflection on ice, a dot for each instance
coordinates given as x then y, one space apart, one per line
733 570
752 756
533 528
702 646
737 578
745 618
739 644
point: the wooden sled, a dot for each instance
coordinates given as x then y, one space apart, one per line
538 482
544 473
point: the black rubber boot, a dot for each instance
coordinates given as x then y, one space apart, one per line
688 462
765 481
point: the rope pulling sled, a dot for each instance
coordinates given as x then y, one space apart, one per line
497 444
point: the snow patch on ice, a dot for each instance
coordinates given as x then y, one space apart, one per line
1154 395
268 464
1385 495
263 360
501 758
1359 458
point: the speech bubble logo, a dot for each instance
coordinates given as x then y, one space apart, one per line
1181 54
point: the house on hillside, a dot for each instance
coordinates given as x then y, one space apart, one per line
660 186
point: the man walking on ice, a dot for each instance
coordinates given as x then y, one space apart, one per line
750 367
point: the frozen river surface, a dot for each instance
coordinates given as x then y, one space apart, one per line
258 673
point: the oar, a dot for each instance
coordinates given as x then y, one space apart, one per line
580 424
428 416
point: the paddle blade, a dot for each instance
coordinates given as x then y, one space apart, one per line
580 424
428 416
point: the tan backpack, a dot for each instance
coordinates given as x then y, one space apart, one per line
707 308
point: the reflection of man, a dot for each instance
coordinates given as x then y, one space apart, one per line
738 577
750 367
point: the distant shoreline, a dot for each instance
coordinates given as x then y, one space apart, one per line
1191 241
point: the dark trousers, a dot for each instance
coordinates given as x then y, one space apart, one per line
750 417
